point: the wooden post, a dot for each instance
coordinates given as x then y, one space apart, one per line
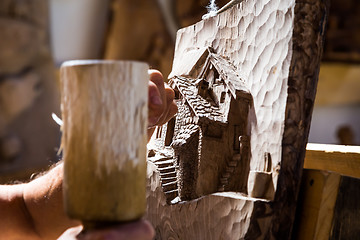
328 208
104 111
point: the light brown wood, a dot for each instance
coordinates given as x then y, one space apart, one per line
104 112
338 85
341 159
327 206
257 53
318 194
138 31
325 164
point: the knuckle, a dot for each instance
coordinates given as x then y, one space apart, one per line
156 77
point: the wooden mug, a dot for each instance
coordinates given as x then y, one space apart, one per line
104 112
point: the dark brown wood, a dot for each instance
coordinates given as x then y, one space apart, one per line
308 40
346 223
343 32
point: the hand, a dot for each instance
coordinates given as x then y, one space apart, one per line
140 230
161 102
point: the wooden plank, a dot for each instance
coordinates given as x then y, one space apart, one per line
344 160
321 181
316 204
327 205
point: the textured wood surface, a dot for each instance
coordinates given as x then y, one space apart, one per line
262 59
104 168
344 160
28 91
277 52
216 216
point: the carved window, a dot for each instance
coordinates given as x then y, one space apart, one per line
177 94
170 132
222 97
203 89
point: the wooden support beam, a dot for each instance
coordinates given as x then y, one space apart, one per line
316 204
327 205
344 160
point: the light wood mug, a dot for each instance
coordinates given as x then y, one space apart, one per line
104 112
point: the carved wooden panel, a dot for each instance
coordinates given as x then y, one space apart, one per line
245 82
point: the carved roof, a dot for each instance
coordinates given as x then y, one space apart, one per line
228 73
196 64
199 106
186 133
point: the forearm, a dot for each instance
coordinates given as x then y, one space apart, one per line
15 221
34 211
44 202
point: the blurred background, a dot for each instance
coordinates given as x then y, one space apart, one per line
37 36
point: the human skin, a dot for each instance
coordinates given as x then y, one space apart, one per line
34 210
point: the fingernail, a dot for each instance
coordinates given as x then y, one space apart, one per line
156 100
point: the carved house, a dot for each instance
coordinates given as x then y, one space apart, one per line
207 143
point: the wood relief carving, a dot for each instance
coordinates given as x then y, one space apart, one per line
213 103
227 166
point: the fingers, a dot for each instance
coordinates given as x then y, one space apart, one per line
161 100
171 108
140 230
157 97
